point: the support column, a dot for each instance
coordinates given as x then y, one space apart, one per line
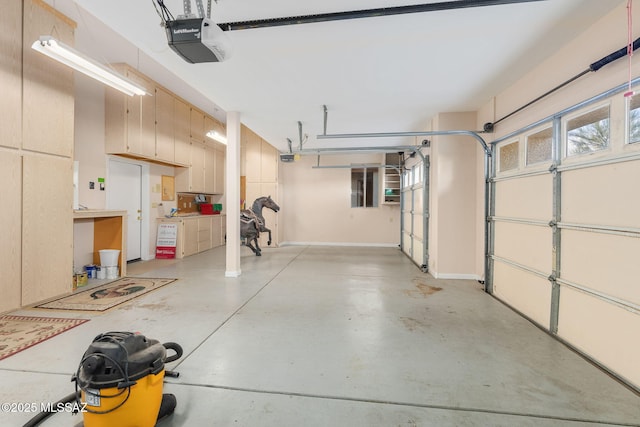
232 193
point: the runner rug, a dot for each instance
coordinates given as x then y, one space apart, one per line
104 297
20 332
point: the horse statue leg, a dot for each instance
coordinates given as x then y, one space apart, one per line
251 234
258 250
268 230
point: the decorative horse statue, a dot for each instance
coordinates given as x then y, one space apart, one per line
252 222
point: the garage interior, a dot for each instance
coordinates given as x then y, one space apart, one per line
451 253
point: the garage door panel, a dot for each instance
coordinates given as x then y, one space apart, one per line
527 197
529 245
604 262
603 195
418 251
526 292
417 200
406 243
418 225
610 337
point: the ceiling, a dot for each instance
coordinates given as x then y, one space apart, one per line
381 74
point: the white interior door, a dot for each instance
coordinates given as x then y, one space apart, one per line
125 193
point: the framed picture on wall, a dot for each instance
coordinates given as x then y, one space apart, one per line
168 188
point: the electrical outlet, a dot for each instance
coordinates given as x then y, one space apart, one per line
92 185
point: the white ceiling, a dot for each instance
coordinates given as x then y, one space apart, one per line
383 74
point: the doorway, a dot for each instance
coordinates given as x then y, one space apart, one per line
124 191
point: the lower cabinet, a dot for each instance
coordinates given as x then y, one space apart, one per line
197 233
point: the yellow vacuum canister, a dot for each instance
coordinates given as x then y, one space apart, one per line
120 378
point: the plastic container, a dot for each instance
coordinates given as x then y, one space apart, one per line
91 271
109 257
206 208
217 208
101 272
111 271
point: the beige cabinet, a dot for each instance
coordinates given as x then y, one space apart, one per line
182 135
130 120
197 125
189 236
165 146
47 85
218 228
204 233
37 106
197 233
11 84
47 227
191 179
220 158
209 169
11 229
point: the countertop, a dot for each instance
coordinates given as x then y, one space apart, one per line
97 213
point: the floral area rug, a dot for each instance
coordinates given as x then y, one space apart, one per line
104 297
20 332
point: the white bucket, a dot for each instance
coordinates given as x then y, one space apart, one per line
111 272
109 257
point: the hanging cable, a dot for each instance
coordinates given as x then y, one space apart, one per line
488 127
163 12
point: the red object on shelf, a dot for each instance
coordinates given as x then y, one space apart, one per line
206 208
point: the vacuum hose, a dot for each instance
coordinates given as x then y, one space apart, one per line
44 415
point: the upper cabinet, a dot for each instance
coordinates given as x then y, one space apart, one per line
197 125
164 128
182 132
11 54
130 121
47 85
165 145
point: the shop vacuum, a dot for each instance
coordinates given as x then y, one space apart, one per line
119 382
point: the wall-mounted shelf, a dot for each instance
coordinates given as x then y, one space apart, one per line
391 184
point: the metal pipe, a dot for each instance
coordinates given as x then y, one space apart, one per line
406 134
366 13
324 107
343 150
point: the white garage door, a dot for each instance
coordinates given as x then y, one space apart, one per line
415 211
565 222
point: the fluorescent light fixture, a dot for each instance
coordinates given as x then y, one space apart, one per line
59 51
218 137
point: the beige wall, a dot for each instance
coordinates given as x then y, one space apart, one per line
453 226
606 36
316 205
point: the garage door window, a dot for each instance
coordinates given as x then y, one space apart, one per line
539 147
509 156
588 132
634 119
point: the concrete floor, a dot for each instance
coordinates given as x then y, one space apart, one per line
331 336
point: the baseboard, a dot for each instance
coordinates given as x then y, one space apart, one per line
455 276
